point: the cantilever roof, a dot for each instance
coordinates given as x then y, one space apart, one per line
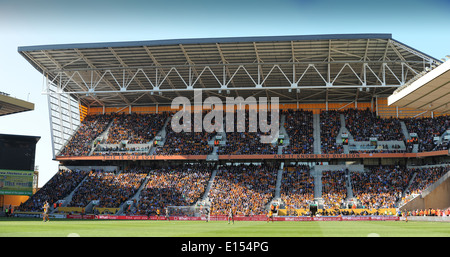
11 105
338 67
430 92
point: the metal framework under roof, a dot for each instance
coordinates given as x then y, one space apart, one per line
332 68
296 69
10 105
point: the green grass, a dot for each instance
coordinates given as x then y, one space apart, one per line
15 227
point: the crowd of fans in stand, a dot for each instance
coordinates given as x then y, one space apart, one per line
81 142
427 129
245 142
109 188
380 187
58 187
425 177
334 188
330 125
135 128
172 186
300 129
244 188
247 189
364 124
138 129
186 143
297 187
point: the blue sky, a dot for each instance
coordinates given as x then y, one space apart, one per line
423 25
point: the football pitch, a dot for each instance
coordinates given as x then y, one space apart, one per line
19 227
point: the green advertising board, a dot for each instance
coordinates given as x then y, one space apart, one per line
16 182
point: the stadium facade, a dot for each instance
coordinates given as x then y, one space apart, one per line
318 80
18 173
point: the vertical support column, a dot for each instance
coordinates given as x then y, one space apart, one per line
64 116
50 115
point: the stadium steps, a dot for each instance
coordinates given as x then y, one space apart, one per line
205 196
317 175
429 190
348 183
162 134
443 139
68 199
283 130
102 137
136 196
343 130
405 130
279 179
213 156
399 203
316 134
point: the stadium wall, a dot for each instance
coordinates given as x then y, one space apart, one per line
13 200
436 196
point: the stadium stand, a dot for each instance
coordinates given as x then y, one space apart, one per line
329 127
363 125
297 187
380 187
186 143
171 186
135 128
244 188
107 188
334 184
427 129
81 142
299 127
246 142
57 188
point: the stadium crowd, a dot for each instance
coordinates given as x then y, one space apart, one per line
299 126
58 187
426 129
364 124
381 186
186 143
140 129
109 188
425 177
135 128
330 124
334 188
171 186
297 187
245 188
81 142
247 141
